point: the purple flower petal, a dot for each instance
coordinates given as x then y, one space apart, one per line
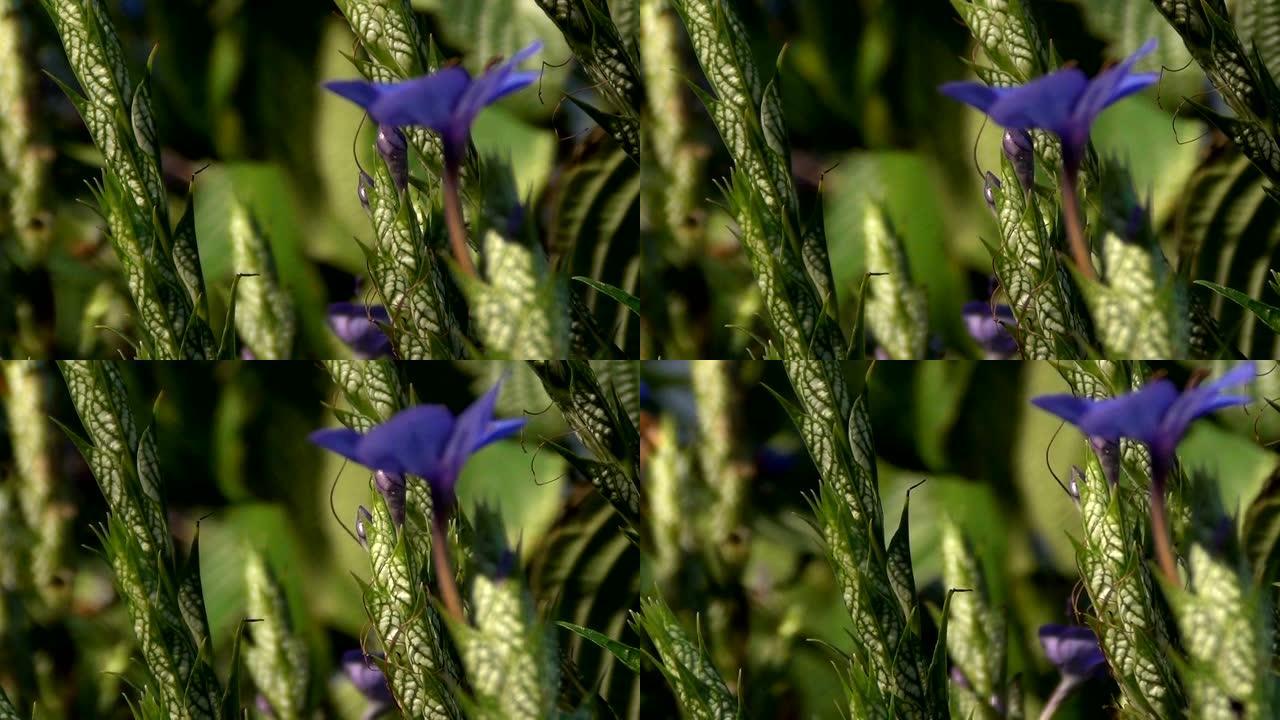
468 436
1073 649
429 101
989 327
1064 102
1205 400
358 327
425 440
1046 102
343 441
410 442
1114 84
1133 415
1158 415
1067 407
446 101
366 675
360 92
979 95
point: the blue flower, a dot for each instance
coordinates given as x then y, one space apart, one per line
1064 102
989 327
427 441
1158 415
446 101
369 680
359 326
1074 650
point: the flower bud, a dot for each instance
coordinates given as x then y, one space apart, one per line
363 516
989 188
1021 153
395 151
391 485
362 189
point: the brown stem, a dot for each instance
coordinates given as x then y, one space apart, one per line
445 582
1160 535
457 226
1075 233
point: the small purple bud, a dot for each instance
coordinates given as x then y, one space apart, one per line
264 706
1019 149
989 187
394 150
959 678
1108 452
362 189
363 517
391 485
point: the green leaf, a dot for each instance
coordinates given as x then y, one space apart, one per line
631 302
1228 232
1260 535
231 697
626 654
1266 313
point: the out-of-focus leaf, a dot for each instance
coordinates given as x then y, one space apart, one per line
268 194
530 150
519 484
1228 232
1127 24
594 228
1159 153
910 189
591 570
499 28
1260 534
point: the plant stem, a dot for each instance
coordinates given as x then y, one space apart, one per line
453 218
1160 528
445 582
1075 233
1060 694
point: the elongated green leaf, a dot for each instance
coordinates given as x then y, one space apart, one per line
626 654
1266 313
631 302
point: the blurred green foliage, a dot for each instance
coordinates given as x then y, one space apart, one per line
242 117
867 125
964 439
236 463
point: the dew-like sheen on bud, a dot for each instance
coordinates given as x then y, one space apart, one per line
989 187
363 516
362 189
